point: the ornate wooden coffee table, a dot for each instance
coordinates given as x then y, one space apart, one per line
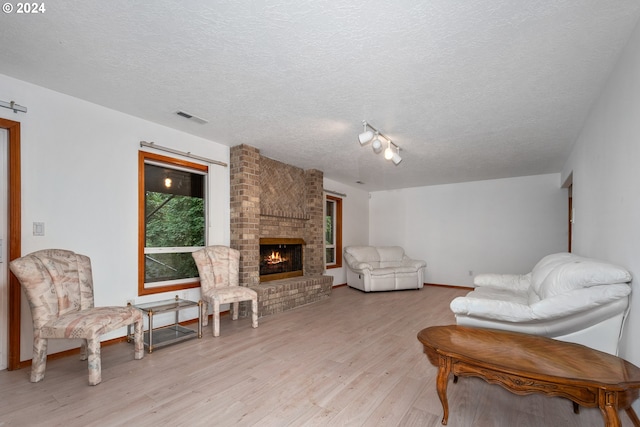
525 364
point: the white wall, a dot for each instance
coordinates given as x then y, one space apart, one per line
355 222
80 177
502 226
605 163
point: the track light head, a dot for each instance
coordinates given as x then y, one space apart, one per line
396 159
388 152
365 137
376 145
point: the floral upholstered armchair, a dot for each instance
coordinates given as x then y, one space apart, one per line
59 286
219 269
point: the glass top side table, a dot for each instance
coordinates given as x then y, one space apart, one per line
170 334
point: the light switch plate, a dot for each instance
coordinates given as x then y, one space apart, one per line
38 228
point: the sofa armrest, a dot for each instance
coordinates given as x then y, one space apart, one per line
356 265
413 263
492 309
361 266
579 300
509 281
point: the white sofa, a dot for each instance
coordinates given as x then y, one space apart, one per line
565 296
382 268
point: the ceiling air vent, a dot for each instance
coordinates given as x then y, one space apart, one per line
191 117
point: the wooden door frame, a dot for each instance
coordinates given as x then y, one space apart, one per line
14 237
570 190
568 184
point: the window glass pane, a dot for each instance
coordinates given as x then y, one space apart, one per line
174 218
163 179
330 254
161 267
329 223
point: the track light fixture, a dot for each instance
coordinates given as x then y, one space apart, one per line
392 152
366 136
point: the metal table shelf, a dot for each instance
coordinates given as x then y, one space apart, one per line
170 334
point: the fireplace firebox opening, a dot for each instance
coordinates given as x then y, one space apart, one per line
280 258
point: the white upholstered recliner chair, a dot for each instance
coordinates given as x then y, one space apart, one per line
382 268
565 296
219 269
59 286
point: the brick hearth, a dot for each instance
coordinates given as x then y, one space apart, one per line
275 200
284 294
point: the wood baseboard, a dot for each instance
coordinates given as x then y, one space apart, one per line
449 286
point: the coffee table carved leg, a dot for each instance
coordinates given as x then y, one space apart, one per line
441 384
632 416
608 403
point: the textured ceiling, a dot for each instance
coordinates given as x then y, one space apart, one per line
469 90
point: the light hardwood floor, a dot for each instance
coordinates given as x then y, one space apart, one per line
351 360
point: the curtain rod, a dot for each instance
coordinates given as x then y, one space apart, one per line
335 193
181 153
13 106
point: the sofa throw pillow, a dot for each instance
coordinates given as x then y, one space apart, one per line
581 273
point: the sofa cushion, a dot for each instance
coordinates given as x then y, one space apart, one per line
496 309
511 281
363 253
542 269
499 294
532 296
390 256
384 271
580 300
581 273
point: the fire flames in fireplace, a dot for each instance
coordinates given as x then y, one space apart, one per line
280 258
275 258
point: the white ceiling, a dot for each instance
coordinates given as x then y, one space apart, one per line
470 90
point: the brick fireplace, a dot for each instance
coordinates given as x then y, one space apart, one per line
271 200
